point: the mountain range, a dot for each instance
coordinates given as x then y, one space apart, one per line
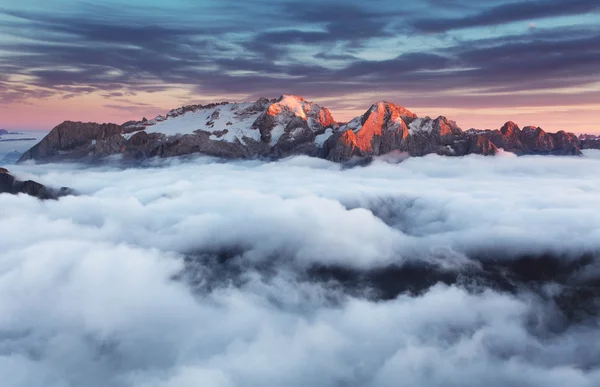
290 125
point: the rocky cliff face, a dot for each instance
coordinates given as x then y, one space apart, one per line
286 126
382 129
533 140
11 185
303 122
386 127
75 140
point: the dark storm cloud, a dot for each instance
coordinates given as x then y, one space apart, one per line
509 12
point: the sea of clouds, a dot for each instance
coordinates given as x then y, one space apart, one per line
197 272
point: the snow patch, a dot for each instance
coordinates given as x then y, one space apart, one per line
276 133
294 104
355 125
421 125
226 117
321 138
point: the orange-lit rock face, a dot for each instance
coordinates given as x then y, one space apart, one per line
274 109
444 126
325 117
402 111
371 127
349 138
301 108
381 118
509 128
290 103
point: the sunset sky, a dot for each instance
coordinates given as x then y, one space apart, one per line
479 62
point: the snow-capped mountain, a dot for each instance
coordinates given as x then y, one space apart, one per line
264 120
286 126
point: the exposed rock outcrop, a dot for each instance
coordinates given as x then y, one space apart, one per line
386 127
286 109
297 139
77 140
380 130
11 185
533 140
200 143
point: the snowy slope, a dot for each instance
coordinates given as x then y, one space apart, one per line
233 118
421 125
287 107
321 138
233 122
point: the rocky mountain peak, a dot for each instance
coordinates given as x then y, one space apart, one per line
293 105
273 122
533 129
509 128
192 108
290 97
381 129
388 107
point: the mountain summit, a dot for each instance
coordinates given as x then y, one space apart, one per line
289 125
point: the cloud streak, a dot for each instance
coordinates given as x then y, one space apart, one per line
509 12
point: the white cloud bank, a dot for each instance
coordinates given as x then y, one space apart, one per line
87 296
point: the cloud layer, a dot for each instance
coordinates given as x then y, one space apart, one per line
195 271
